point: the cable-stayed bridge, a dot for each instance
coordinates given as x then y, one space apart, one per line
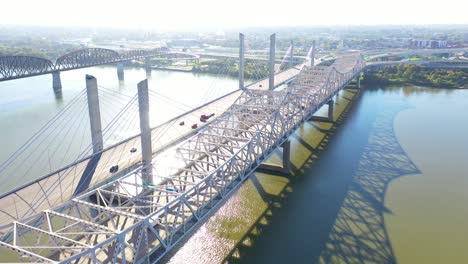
83 214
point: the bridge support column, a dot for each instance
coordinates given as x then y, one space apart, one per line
271 68
329 118
56 82
146 148
286 167
148 68
120 71
241 61
94 113
331 106
96 135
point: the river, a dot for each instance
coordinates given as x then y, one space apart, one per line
386 184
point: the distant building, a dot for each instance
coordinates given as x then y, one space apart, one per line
428 44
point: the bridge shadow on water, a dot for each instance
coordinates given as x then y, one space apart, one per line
332 208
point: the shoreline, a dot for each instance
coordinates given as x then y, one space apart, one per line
412 83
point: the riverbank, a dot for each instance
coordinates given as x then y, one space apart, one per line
416 75
173 68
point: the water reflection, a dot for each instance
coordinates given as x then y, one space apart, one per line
121 85
309 142
58 98
408 90
359 234
332 208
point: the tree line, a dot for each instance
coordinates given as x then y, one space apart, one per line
253 70
447 78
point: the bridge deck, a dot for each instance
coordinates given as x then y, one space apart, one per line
17 205
129 220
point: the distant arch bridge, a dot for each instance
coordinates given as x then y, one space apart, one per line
15 67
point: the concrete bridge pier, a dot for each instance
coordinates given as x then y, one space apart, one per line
146 148
56 82
358 83
286 166
120 71
329 118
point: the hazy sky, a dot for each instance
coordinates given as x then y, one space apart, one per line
187 15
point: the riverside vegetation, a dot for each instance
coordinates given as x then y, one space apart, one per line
414 74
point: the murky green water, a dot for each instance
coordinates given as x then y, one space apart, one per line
387 184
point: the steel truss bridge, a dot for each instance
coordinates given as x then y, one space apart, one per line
142 213
129 220
15 67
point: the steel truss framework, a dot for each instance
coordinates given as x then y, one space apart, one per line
129 220
14 67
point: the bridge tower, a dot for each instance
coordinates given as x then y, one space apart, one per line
94 113
291 55
241 60
120 71
96 134
146 148
271 68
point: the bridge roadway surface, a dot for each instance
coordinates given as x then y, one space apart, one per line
18 205
14 205
129 220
